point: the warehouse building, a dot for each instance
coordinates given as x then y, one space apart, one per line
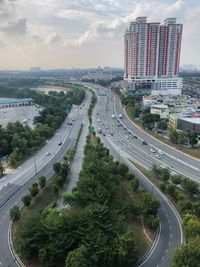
15 102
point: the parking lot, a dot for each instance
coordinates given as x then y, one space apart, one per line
23 114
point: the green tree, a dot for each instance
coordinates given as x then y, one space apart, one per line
188 255
26 200
57 167
55 189
164 174
162 125
176 179
192 135
171 190
34 190
155 170
59 181
173 136
68 198
42 181
1 169
191 187
135 184
15 213
77 257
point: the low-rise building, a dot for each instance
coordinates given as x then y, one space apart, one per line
161 110
189 124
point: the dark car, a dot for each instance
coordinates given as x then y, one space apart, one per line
60 144
144 142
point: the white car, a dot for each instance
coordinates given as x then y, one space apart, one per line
160 152
126 136
152 150
158 156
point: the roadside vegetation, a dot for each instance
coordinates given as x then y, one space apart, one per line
91 107
19 141
185 194
98 228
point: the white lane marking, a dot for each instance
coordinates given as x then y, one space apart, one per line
160 226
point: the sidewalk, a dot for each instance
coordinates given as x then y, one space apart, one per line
76 165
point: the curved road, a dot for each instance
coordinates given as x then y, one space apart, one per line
130 149
14 186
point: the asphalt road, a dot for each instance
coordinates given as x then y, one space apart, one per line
127 150
14 186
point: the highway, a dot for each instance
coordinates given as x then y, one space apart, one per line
127 149
14 186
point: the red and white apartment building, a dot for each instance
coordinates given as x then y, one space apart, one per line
152 56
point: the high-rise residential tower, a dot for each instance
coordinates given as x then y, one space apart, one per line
152 56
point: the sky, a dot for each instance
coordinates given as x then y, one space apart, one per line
85 33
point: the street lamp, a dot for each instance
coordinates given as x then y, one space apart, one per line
35 164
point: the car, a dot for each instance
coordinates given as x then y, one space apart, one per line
135 136
158 156
144 143
104 134
152 150
60 144
160 152
126 136
118 125
48 153
111 133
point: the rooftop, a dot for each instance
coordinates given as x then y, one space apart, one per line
159 106
192 120
6 101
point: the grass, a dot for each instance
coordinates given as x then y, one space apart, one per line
139 228
193 152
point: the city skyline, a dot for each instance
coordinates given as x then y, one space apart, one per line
84 33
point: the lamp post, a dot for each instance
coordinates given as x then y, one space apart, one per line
35 164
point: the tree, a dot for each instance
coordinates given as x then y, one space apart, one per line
173 136
155 170
176 179
191 187
77 257
171 190
68 198
42 181
192 135
59 181
15 213
135 184
1 169
191 226
162 125
182 138
164 174
153 222
34 190
162 187
188 255
57 167
55 189
26 200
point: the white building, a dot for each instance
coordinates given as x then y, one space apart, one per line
161 110
152 56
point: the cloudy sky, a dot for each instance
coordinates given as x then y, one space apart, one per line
85 33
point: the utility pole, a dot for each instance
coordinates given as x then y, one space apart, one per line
35 164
